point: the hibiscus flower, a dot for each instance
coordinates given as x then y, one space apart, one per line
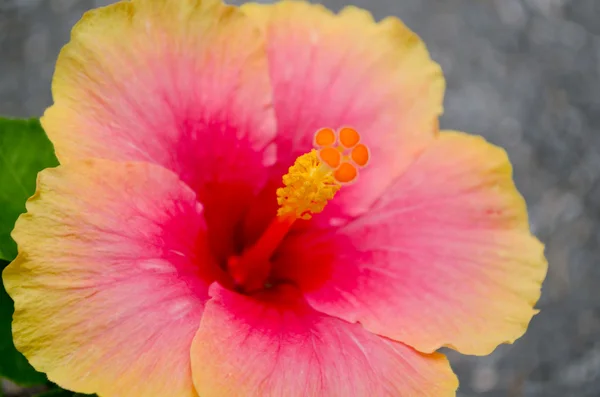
258 201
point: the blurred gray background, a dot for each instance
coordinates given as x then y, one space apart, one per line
523 73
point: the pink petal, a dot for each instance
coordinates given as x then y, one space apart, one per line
111 279
444 258
275 345
346 70
183 84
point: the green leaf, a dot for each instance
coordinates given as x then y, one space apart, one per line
62 393
56 393
13 365
24 151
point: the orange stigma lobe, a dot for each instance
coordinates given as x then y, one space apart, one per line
360 155
346 173
324 137
349 137
330 156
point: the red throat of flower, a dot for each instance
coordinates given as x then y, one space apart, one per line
310 183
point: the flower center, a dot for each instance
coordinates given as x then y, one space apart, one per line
313 180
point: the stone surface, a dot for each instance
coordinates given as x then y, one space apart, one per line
523 73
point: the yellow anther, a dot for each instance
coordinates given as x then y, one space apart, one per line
309 185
